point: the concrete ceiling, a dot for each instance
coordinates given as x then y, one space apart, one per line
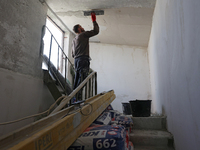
125 22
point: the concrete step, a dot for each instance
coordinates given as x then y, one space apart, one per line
149 123
51 85
151 138
60 89
152 148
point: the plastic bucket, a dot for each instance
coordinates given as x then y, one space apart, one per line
140 108
126 108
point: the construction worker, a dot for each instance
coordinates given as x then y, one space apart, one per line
80 50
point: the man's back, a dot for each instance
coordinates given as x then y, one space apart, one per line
80 44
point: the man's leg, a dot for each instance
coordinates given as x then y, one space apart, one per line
76 79
85 68
82 70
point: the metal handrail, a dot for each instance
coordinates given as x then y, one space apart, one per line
89 92
64 56
59 47
89 84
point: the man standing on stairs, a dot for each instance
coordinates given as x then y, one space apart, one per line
80 50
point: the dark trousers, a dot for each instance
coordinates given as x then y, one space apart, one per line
82 65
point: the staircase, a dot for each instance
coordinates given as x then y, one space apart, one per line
150 133
52 85
55 79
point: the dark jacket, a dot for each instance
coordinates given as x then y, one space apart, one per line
80 44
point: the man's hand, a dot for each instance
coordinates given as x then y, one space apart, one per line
93 16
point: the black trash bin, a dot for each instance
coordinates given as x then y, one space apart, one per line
140 108
126 108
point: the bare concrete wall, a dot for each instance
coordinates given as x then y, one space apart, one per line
21 96
22 91
175 67
20 31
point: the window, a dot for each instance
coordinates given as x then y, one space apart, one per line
53 38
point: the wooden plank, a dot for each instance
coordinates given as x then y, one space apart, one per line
62 133
70 138
22 133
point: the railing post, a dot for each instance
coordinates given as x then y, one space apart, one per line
95 83
86 91
89 88
92 85
50 52
65 72
58 59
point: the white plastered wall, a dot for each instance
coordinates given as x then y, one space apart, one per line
124 69
174 57
68 50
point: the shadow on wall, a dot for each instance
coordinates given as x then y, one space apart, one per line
163 110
